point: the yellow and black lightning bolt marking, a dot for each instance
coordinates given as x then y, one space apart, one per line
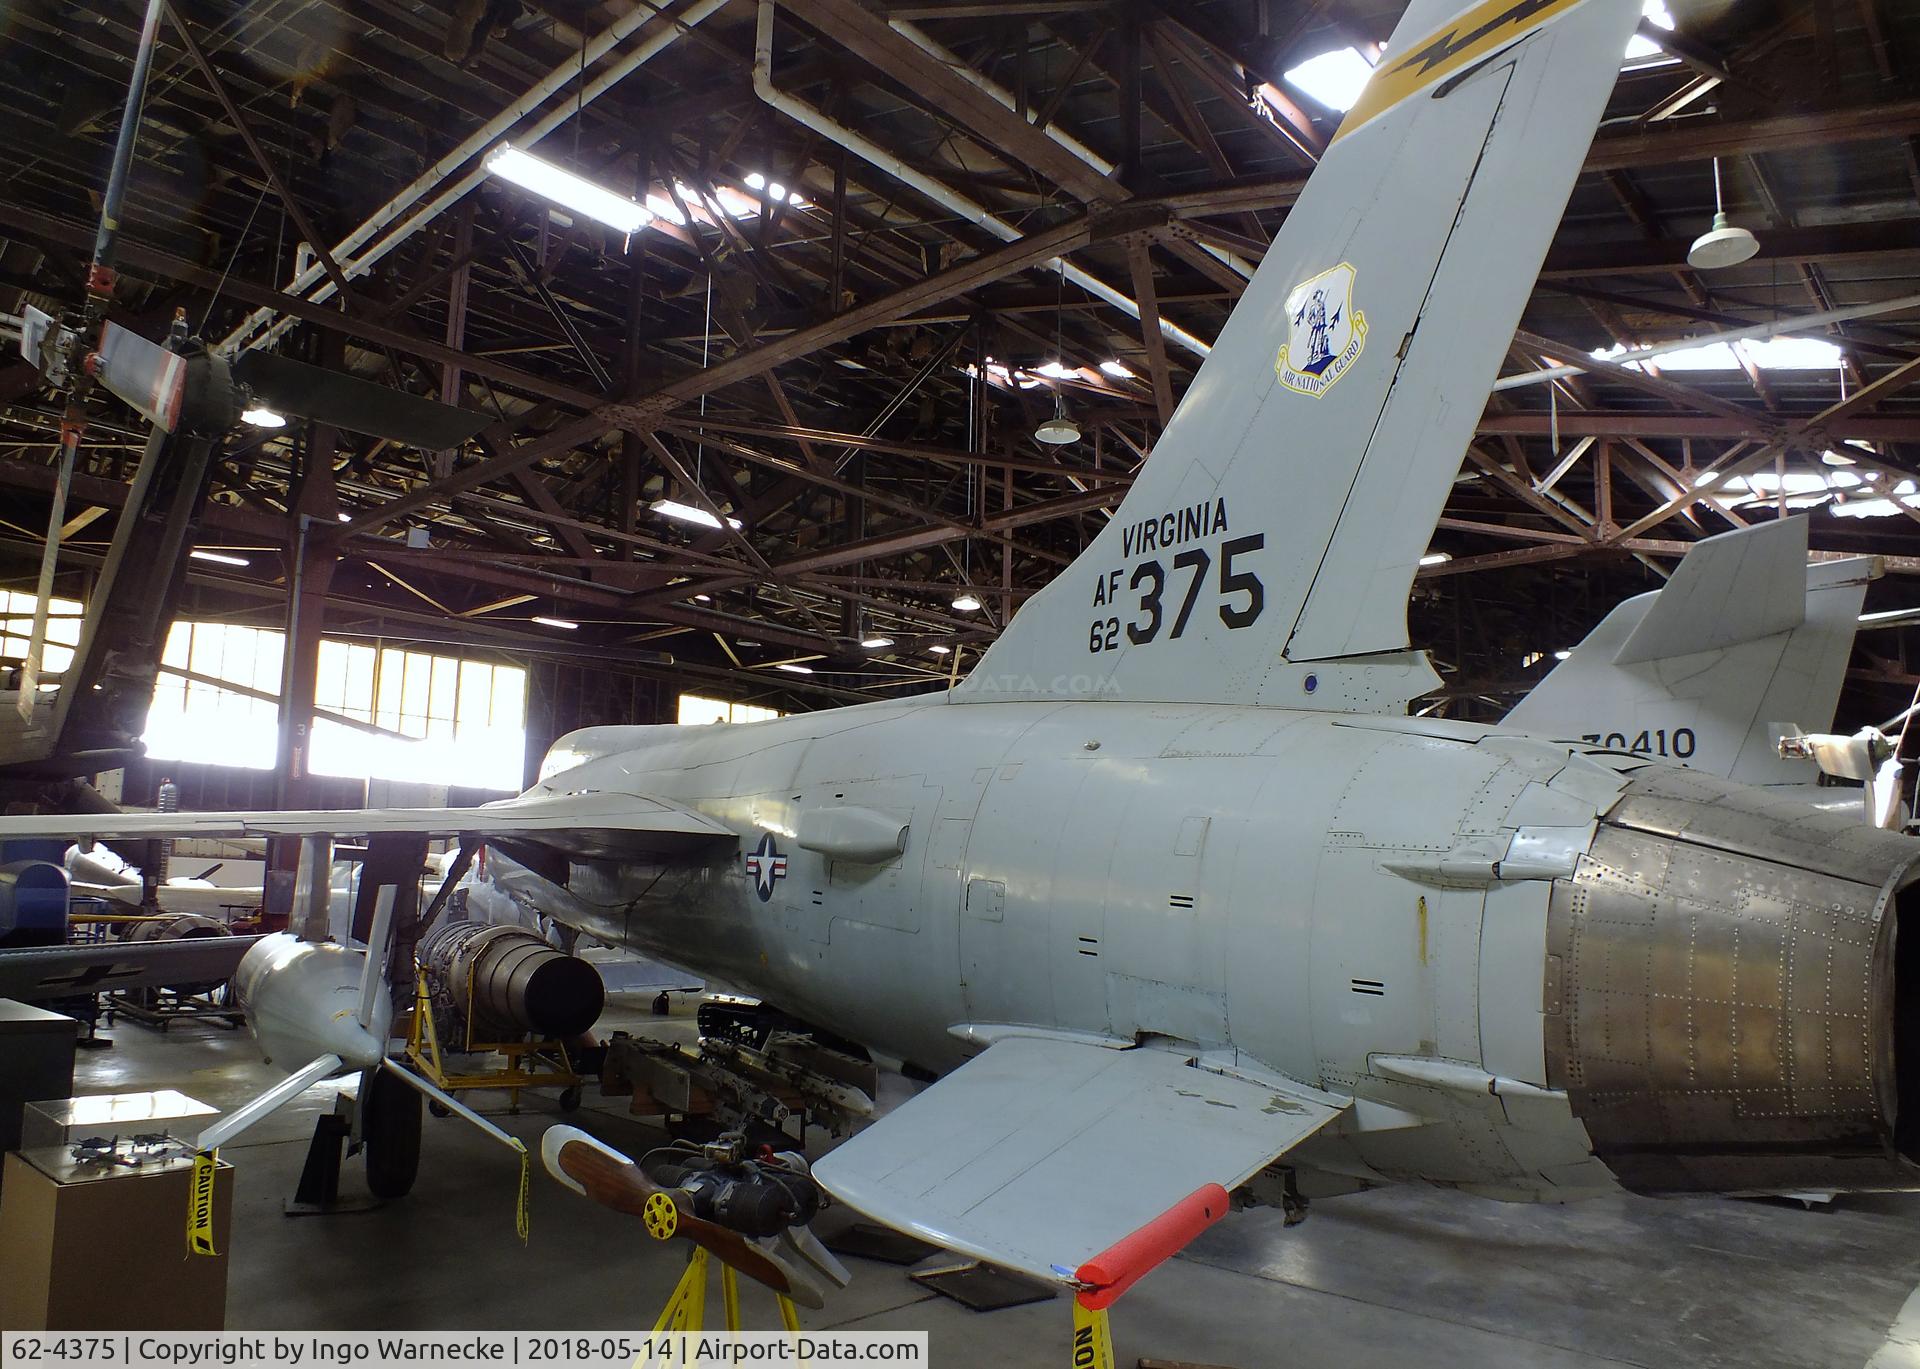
1465 40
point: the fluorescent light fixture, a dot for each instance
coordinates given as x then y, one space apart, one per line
1335 79
1436 558
876 643
689 513
344 517
564 188
1561 655
703 598
555 622
966 602
941 650
1117 369
795 669
219 557
260 416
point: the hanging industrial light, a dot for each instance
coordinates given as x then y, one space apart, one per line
1724 244
1058 430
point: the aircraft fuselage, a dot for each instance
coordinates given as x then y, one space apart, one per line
1544 968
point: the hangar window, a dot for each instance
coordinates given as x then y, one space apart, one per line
63 629
407 715
697 710
217 698
380 712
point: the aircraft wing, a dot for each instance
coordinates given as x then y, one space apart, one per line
1069 1161
589 825
35 974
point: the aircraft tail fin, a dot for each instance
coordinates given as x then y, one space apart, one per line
1265 552
1744 642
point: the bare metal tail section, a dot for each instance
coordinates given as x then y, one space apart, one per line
1265 553
1744 642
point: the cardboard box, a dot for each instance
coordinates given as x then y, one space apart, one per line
91 1248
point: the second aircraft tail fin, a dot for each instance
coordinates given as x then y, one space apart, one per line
1744 642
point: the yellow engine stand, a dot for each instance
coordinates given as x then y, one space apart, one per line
529 1064
686 1309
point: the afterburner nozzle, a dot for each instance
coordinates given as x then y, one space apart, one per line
1724 987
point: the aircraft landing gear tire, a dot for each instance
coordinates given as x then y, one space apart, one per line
570 1098
391 1128
439 1109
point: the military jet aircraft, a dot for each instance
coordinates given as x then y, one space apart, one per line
1170 894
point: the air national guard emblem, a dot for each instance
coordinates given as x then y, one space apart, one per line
1325 333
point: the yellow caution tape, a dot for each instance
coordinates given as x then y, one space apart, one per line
206 1165
1092 1338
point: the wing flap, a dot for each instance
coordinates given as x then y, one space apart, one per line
1069 1161
588 824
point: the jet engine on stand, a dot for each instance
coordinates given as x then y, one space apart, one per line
502 989
494 982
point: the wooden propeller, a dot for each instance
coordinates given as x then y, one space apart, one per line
590 1166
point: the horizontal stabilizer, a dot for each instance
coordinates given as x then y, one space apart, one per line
1729 589
1069 1161
359 406
588 825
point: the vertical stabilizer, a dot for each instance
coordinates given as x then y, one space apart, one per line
1265 553
1745 641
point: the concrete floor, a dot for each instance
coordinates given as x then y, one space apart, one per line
1378 1279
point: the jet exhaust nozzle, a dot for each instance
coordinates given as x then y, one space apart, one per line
1732 993
509 981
